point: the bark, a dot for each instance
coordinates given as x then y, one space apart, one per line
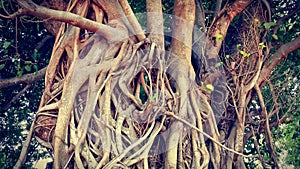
277 57
28 79
155 24
92 111
182 70
106 31
137 29
182 25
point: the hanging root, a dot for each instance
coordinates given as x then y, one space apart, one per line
121 104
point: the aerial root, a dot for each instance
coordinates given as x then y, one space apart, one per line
120 110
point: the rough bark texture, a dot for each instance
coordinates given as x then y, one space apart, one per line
114 98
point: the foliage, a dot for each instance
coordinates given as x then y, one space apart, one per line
290 139
287 133
21 53
282 89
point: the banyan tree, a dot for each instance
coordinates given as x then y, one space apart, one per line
152 90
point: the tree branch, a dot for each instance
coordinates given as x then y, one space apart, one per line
28 79
107 32
132 20
267 125
26 144
220 25
16 97
218 7
277 57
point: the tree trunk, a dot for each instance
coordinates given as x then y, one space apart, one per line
117 97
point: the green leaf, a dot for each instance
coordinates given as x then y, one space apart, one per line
261 45
6 44
209 87
227 56
20 73
238 45
244 53
2 66
35 67
275 36
219 64
219 37
268 25
28 68
153 97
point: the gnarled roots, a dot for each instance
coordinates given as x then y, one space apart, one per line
122 104
116 104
